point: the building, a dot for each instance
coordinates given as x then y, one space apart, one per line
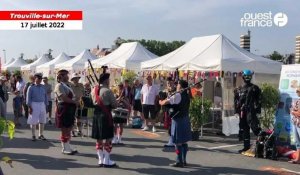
245 41
297 53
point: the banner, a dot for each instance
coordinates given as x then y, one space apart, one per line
289 81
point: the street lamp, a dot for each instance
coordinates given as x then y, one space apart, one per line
4 53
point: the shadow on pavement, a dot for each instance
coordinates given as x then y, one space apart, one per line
26 143
196 171
46 162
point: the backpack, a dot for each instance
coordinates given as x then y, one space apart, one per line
266 145
137 122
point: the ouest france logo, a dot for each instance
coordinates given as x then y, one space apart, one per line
266 19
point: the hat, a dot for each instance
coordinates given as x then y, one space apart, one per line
39 75
62 71
169 79
183 83
75 75
103 77
3 78
45 78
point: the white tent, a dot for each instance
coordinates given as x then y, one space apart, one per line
209 53
127 56
10 61
48 68
214 54
31 68
15 65
77 64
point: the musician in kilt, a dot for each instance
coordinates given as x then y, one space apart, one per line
65 110
123 103
170 89
181 126
103 129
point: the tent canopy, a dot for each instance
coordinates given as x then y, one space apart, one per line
10 61
209 53
15 65
48 68
77 63
127 56
32 66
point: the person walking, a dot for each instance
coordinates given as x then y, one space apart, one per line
48 89
65 110
181 126
36 100
149 98
103 129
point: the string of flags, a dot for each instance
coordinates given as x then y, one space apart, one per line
163 74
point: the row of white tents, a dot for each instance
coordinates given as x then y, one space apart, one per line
127 56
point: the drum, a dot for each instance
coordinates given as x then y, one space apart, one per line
120 115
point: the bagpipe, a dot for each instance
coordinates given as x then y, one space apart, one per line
164 95
93 79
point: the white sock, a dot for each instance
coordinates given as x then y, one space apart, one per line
41 129
33 128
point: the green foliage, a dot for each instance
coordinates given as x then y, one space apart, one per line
159 48
130 76
9 127
17 72
199 116
6 73
270 99
276 56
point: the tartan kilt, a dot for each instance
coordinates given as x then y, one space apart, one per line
101 129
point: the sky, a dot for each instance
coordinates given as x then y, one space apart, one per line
165 20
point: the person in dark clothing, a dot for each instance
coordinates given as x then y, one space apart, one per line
181 127
249 105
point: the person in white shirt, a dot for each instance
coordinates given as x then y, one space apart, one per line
149 98
20 85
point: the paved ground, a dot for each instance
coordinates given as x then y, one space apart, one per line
142 154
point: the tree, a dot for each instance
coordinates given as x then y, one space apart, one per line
276 56
159 48
270 99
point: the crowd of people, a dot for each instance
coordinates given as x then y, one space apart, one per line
33 101
146 100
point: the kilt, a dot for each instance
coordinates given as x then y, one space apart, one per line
118 120
181 129
65 115
101 129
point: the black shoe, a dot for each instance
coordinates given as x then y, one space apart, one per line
169 146
184 164
110 166
41 137
50 122
100 165
243 150
177 164
33 138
